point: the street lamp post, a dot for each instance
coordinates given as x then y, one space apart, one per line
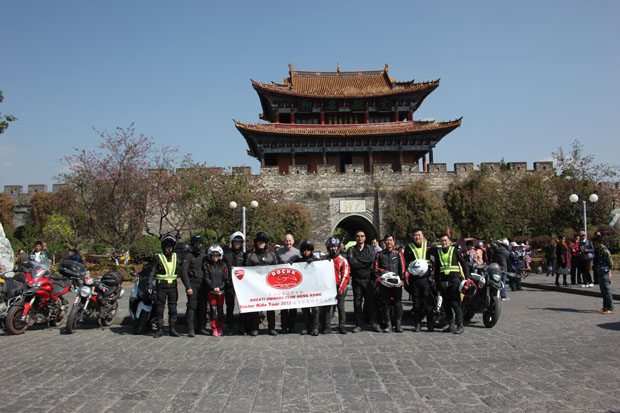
233 205
575 198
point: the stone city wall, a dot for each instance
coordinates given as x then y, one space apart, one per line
332 197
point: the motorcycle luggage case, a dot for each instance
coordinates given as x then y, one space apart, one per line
72 269
11 288
112 279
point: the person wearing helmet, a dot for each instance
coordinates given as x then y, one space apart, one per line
165 272
448 275
196 302
343 272
233 257
261 256
390 260
417 282
361 257
311 314
216 278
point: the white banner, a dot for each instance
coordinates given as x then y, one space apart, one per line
279 287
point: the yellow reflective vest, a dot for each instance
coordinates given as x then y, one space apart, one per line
169 266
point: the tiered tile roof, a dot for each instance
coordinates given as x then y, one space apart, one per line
343 84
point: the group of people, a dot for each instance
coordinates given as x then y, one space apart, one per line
378 279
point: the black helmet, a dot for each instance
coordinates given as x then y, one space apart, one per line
306 244
261 236
195 240
332 242
168 239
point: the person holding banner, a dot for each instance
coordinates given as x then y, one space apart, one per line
287 255
216 278
234 257
343 272
390 264
261 256
311 314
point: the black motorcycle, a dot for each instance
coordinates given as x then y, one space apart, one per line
96 299
10 292
485 297
141 305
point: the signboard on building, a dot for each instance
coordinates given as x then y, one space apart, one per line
353 205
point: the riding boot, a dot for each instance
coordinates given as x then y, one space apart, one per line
190 323
398 328
430 323
160 330
450 329
459 329
172 331
417 327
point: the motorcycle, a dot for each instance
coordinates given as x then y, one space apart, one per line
486 296
41 300
141 306
96 300
10 292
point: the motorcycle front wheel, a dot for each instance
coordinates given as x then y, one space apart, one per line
141 324
13 321
74 319
107 320
491 314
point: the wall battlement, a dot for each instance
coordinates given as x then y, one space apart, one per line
16 192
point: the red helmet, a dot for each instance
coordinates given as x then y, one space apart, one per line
468 288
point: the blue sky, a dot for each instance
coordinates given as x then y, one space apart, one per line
527 77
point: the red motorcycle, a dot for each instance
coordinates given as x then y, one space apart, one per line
41 300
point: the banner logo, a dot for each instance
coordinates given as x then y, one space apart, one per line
239 274
284 278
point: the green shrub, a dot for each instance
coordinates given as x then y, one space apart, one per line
144 248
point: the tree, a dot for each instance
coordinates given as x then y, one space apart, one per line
415 206
112 186
530 204
5 119
7 212
578 174
476 206
59 233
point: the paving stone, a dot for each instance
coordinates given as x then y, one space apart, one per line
529 362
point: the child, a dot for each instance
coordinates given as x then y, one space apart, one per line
216 277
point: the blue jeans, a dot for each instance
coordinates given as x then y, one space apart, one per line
603 281
503 292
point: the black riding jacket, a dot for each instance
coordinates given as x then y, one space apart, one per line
361 262
192 266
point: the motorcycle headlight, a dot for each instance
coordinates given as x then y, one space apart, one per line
85 291
497 277
37 284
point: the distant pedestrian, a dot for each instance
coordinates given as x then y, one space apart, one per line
562 256
602 267
550 257
75 256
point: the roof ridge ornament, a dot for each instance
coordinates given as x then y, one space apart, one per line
338 69
387 66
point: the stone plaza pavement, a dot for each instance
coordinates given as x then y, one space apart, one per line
550 351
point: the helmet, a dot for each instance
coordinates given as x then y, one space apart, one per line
389 279
168 240
215 250
182 248
195 240
306 244
332 242
236 236
418 267
468 288
495 271
261 236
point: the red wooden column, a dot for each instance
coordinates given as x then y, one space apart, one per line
292 115
395 113
277 115
322 117
424 166
366 116
411 114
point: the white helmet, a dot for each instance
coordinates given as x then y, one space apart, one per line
389 279
215 249
236 236
418 268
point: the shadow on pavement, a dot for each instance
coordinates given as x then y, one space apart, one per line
610 326
565 310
